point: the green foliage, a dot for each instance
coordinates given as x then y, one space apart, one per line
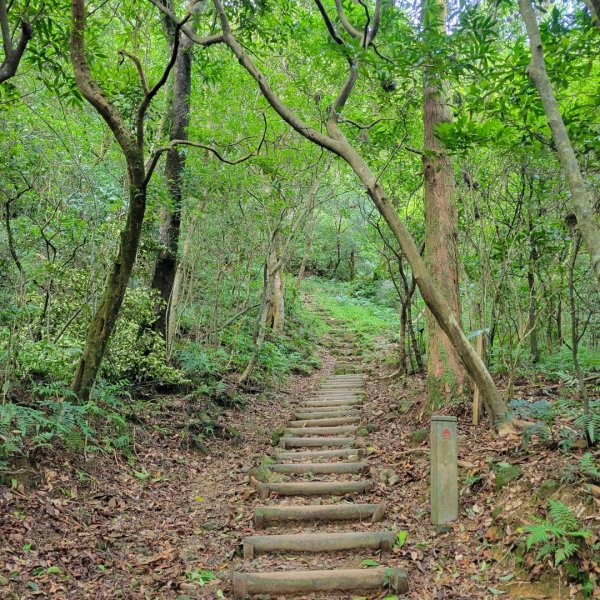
58 417
559 364
561 535
200 576
360 311
589 467
552 420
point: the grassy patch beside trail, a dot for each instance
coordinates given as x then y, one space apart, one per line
370 321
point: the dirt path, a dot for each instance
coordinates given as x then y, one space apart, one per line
316 512
172 523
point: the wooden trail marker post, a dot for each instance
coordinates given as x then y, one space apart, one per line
477 393
444 470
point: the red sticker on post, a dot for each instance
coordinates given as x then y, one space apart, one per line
446 433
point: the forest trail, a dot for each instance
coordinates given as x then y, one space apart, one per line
311 483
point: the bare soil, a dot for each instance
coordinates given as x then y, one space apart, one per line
77 526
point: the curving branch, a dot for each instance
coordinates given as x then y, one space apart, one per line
12 54
376 22
92 91
280 108
151 165
371 26
365 35
150 93
355 33
209 40
138 67
332 32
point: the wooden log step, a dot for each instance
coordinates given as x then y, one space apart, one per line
354 408
313 488
356 391
335 395
349 453
303 582
320 412
341 402
338 467
317 542
314 442
338 430
332 422
263 515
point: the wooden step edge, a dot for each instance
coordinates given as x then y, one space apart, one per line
303 582
263 515
320 430
327 403
318 542
314 442
319 468
312 488
324 422
340 410
316 454
308 415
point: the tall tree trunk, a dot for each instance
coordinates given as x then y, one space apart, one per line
276 299
260 329
532 325
580 201
132 146
104 319
176 293
166 262
311 219
402 342
576 336
352 263
445 373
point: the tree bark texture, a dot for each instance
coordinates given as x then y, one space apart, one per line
580 200
445 372
166 262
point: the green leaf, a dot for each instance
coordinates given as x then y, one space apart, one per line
369 562
401 537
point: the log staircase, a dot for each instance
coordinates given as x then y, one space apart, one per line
321 456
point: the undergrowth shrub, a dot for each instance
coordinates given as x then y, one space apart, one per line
561 537
559 421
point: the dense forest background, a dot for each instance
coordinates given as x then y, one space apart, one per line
181 183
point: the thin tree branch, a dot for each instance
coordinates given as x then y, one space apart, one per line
138 65
332 32
282 110
12 54
355 33
365 35
149 94
151 165
209 40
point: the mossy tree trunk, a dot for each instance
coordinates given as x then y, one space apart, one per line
131 144
165 268
445 372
